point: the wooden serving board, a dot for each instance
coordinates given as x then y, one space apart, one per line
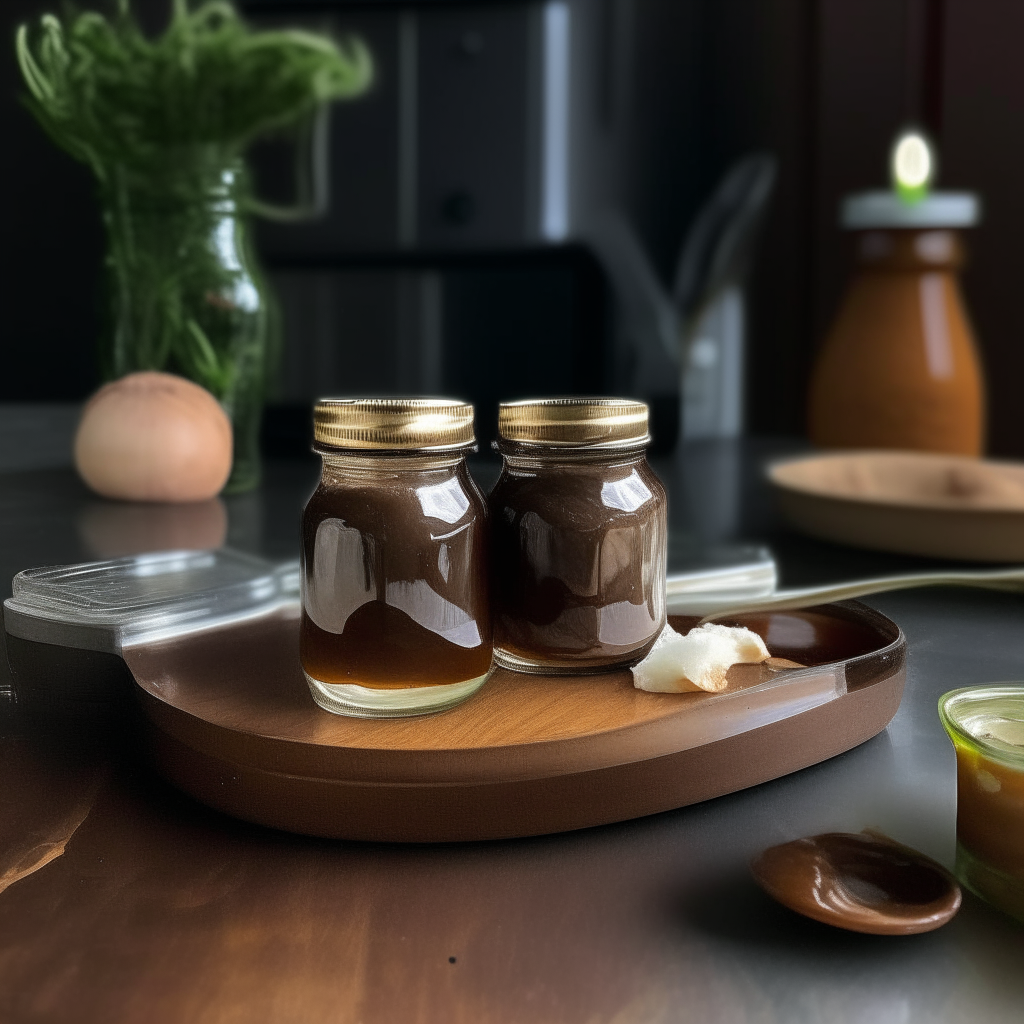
234 725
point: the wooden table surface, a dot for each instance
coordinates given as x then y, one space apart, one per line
122 900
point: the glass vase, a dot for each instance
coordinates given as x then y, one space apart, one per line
186 293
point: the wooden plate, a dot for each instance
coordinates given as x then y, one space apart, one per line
914 503
234 725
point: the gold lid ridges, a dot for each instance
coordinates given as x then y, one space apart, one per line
575 422
397 424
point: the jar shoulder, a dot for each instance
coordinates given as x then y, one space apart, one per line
447 497
572 495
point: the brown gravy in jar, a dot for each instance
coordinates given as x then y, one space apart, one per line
395 575
578 554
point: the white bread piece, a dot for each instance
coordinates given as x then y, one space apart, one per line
697 661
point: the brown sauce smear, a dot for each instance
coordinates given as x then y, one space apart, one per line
861 882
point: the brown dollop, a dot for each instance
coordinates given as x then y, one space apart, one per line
154 437
861 882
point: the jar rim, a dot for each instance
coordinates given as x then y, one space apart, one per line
452 453
991 695
514 450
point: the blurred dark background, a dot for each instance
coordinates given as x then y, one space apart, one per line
464 291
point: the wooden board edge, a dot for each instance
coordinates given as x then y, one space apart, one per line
422 813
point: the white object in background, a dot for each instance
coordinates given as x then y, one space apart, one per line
714 603
710 277
694 593
885 209
713 369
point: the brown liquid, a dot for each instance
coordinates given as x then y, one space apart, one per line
864 883
899 367
990 811
578 556
395 578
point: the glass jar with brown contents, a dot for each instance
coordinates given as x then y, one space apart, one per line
579 537
395 614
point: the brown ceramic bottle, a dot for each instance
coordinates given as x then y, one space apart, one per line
899 367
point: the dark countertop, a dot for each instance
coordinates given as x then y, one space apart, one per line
145 906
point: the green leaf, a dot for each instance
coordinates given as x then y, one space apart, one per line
108 95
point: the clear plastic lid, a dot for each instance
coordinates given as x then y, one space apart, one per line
703 578
147 597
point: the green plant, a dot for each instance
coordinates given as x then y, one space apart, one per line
164 124
113 98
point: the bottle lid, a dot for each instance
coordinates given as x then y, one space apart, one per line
396 424
575 422
880 209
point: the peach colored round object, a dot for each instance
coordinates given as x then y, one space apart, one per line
154 437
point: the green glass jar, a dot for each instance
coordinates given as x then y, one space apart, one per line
186 293
986 725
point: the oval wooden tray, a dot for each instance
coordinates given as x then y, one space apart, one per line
233 724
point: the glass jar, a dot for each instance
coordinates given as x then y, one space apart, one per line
899 367
579 537
395 611
986 725
187 294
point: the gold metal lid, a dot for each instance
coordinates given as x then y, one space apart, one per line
575 422
408 424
